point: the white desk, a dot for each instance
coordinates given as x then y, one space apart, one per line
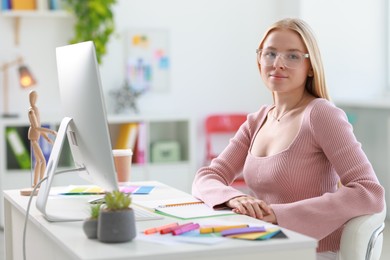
66 240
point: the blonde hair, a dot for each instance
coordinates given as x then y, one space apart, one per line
314 85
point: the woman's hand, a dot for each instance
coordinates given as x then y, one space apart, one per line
252 207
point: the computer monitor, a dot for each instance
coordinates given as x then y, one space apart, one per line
84 124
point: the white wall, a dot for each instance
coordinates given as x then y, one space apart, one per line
212 49
38 39
353 40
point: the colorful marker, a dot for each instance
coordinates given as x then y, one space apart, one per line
185 229
171 229
158 229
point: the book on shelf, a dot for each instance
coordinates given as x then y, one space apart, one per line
32 5
127 136
43 5
56 4
5 5
140 150
23 5
18 148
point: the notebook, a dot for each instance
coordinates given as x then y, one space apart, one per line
185 209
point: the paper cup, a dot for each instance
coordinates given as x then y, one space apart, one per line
122 161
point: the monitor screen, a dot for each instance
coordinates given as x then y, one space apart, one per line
84 124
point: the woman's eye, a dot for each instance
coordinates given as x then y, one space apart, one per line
293 56
270 54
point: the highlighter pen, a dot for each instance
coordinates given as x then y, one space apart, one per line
207 230
158 229
185 229
171 229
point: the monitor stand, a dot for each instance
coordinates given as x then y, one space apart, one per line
69 209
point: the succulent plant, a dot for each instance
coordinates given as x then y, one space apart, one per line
95 210
117 200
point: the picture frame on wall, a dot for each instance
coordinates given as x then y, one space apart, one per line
148 60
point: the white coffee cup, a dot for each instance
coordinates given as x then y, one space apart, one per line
122 161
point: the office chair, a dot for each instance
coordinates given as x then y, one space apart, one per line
222 125
362 237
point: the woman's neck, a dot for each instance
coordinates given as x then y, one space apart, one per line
284 105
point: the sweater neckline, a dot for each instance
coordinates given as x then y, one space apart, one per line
306 113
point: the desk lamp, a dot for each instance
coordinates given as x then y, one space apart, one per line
26 80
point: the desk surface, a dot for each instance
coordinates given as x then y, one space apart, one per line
66 240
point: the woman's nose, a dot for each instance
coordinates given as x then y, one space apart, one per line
278 62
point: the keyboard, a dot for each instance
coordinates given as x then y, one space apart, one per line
143 214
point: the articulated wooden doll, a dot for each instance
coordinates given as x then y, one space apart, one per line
34 133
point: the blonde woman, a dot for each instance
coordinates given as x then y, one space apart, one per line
294 152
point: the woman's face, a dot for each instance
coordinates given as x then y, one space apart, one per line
284 71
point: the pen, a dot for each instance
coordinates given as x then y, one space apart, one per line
158 229
171 229
185 229
206 230
180 204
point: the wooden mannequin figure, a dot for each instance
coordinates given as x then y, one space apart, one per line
34 133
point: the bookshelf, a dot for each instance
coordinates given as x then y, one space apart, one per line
39 9
153 130
33 8
177 173
35 14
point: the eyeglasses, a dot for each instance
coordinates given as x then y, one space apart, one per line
290 59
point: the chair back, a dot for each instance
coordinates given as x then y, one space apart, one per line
221 124
362 237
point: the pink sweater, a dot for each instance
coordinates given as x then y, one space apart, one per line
300 183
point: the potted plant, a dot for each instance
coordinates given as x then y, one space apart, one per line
94 22
90 224
116 222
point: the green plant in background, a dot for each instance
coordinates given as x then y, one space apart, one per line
117 200
94 22
95 210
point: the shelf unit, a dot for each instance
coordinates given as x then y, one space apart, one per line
40 12
371 125
178 174
35 14
179 129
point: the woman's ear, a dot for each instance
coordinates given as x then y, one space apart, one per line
310 73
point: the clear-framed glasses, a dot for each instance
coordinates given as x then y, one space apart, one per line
290 59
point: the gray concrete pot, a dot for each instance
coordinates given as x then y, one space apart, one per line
116 226
90 228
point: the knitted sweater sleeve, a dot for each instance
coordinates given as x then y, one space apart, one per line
211 183
360 193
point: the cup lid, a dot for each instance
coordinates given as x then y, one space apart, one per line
122 152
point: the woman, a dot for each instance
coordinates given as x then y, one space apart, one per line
295 153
